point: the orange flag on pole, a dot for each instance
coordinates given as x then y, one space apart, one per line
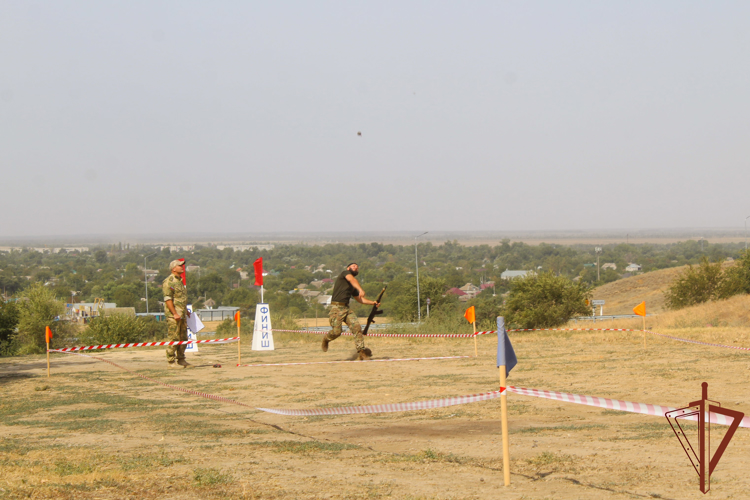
237 318
47 334
470 315
640 309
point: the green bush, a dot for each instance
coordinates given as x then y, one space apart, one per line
115 329
153 329
228 328
37 309
545 301
8 323
697 284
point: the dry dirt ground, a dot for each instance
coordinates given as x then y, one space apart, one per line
95 431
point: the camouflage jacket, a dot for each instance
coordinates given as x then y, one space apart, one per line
175 291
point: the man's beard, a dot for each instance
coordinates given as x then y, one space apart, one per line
354 273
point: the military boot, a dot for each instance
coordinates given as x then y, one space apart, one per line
364 354
184 363
173 365
324 345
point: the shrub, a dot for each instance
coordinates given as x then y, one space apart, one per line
545 301
698 284
8 323
153 329
115 329
228 328
37 309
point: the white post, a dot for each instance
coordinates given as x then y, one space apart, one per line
262 330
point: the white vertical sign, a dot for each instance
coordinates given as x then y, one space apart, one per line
262 332
191 334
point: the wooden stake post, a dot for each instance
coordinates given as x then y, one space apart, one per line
239 344
502 360
47 336
475 339
644 331
504 425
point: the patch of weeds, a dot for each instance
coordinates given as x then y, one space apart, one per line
537 430
65 467
94 426
647 431
445 415
549 458
81 414
319 418
616 413
306 447
429 455
40 388
148 461
211 477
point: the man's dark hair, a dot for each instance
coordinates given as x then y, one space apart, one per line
352 264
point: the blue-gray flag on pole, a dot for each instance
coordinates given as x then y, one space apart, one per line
505 353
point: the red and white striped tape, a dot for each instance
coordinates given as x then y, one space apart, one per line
616 404
398 335
699 342
145 344
357 361
630 330
574 330
386 408
489 332
612 404
170 386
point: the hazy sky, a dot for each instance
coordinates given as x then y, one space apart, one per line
162 117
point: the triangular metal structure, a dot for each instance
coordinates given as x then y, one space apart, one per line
701 410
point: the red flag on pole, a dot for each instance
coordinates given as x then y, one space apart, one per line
47 333
258 265
184 273
237 318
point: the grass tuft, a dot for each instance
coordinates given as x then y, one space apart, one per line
211 477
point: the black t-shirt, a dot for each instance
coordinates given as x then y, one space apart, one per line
342 289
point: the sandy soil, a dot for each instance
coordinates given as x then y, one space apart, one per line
94 431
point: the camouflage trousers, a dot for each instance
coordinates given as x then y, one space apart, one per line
338 315
176 330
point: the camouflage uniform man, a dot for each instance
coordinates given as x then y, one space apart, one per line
175 298
346 287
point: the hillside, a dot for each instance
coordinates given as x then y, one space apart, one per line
622 295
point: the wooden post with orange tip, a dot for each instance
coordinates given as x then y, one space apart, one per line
471 317
239 339
47 336
640 310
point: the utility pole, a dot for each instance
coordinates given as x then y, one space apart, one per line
145 276
598 250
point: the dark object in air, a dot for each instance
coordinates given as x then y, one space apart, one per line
374 312
359 134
